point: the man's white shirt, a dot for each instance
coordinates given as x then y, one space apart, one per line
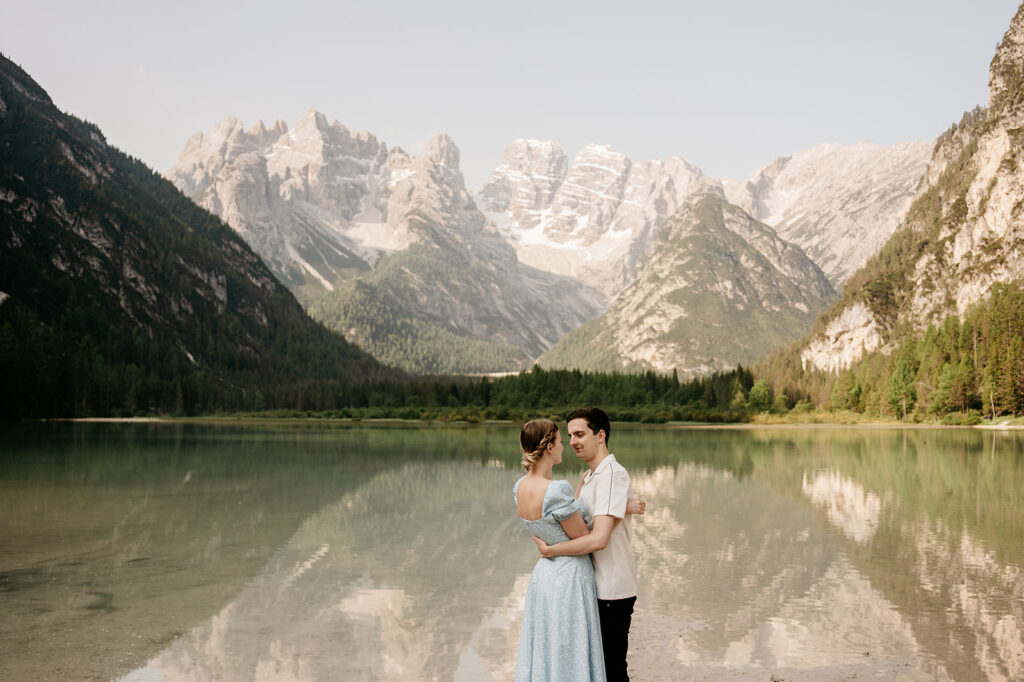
605 492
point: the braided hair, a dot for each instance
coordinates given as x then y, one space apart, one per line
534 440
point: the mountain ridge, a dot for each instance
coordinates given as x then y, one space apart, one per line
121 294
715 289
397 220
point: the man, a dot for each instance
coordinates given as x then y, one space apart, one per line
604 491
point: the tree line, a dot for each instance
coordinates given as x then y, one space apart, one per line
960 371
957 372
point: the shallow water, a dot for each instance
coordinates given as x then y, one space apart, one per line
308 552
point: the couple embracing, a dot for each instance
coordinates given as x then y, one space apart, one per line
579 603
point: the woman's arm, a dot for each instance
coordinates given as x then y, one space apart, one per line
574 527
596 540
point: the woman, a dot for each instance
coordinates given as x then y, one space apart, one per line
561 634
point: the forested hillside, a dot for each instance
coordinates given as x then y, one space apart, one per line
119 296
958 371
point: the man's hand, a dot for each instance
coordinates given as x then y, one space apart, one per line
635 505
542 547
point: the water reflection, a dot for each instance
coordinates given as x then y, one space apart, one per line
301 553
942 545
849 506
394 581
116 539
738 577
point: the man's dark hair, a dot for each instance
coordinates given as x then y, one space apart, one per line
597 420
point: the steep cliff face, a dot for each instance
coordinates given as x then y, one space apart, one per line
457 299
962 233
716 287
525 182
311 201
388 248
592 219
838 203
595 217
353 227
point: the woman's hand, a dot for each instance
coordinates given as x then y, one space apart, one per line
543 547
635 505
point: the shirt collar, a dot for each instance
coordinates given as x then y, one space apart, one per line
605 463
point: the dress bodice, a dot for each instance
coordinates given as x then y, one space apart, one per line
558 505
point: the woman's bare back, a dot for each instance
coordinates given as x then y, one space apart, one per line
530 497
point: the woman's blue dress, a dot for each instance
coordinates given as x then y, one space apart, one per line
561 635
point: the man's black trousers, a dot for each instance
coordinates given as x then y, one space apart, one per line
616 615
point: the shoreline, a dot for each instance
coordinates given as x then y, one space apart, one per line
1003 425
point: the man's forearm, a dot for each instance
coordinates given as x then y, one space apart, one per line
586 544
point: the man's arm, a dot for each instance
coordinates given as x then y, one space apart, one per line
635 505
574 527
586 544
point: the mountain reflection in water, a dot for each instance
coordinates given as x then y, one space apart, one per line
395 581
907 556
382 553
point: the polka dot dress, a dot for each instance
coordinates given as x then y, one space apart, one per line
560 640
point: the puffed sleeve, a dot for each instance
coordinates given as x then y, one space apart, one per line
560 503
611 491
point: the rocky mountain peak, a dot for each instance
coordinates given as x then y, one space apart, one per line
313 135
442 151
205 154
440 162
603 157
312 119
525 182
24 84
228 127
431 187
593 216
1006 74
593 189
715 288
292 193
541 157
839 203
257 129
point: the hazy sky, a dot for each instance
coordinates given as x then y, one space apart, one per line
729 84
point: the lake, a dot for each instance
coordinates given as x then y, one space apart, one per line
308 551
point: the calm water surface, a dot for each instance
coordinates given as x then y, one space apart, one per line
145 552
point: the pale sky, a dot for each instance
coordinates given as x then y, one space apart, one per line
727 84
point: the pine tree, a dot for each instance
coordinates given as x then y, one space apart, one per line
901 393
760 398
